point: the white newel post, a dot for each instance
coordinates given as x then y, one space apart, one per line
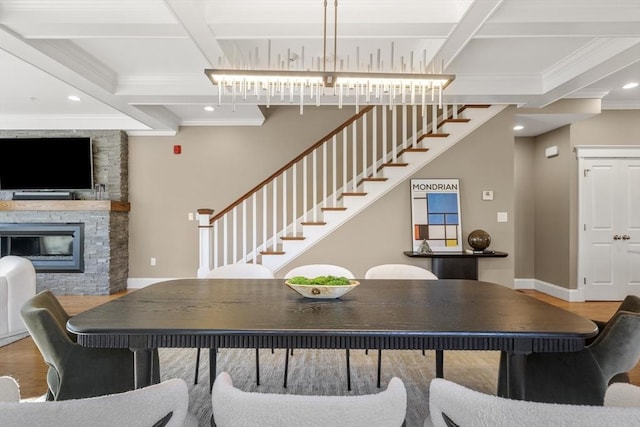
204 230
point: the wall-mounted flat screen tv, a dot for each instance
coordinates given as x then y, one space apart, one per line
46 164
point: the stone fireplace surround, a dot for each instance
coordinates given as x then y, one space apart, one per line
106 222
106 255
51 247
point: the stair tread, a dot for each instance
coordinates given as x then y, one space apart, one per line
292 238
333 209
313 223
394 165
272 252
375 179
433 135
459 120
354 194
416 150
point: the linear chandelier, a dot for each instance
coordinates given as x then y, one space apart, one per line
296 85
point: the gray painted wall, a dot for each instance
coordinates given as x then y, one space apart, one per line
546 243
220 164
524 184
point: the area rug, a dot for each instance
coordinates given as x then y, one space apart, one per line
323 372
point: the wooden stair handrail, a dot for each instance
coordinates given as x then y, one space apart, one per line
292 162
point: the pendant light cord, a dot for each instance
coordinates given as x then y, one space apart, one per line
324 39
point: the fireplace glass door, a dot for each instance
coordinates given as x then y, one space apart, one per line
50 247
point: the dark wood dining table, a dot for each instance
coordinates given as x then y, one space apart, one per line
449 314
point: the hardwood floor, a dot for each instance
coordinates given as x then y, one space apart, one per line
22 359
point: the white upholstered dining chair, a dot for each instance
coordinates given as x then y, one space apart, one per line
402 272
452 404
164 404
311 271
233 407
236 271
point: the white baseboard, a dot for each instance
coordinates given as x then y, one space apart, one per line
144 282
571 295
524 283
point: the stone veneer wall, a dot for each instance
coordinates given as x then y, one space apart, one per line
106 254
106 233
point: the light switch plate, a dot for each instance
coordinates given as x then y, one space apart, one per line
487 195
503 217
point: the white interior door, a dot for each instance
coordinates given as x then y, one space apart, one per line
609 260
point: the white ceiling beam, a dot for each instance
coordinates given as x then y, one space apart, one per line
612 56
558 29
77 69
56 31
190 15
295 30
463 32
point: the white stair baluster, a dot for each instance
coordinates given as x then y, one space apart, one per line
305 195
324 173
264 218
216 243
254 215
354 157
374 154
434 118
274 215
285 207
394 134
414 126
334 165
405 126
234 229
344 160
294 201
385 142
314 187
365 162
225 239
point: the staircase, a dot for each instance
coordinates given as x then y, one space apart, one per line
331 182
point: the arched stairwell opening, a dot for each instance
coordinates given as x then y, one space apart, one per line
331 181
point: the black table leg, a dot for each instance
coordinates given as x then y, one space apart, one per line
195 381
348 372
439 364
142 367
515 375
213 353
286 366
379 366
257 366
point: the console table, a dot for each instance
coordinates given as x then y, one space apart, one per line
455 265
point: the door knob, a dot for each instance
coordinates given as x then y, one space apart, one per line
626 237
616 237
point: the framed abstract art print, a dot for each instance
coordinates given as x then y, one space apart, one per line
435 214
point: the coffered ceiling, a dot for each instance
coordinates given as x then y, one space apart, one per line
138 65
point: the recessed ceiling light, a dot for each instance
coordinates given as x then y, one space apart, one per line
630 85
208 108
73 98
518 127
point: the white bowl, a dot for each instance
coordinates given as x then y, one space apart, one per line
323 291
